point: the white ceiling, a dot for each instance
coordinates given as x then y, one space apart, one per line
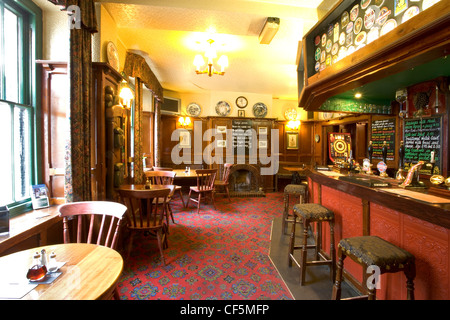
170 33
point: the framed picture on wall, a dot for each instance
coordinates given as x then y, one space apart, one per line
185 139
221 143
262 130
262 144
221 129
292 140
241 113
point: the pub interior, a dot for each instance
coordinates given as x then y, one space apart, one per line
100 96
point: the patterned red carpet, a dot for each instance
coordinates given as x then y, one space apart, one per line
215 255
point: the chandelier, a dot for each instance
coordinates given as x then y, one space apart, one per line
211 54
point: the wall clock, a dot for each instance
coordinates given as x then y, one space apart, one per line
241 102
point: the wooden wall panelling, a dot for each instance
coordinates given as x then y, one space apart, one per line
54 104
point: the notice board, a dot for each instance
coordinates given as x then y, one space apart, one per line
383 130
421 136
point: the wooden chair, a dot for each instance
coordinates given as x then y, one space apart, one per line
145 214
205 186
99 214
163 178
224 182
177 188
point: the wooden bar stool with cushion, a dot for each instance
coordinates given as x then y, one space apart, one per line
308 213
374 251
299 190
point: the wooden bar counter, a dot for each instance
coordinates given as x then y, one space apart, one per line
422 228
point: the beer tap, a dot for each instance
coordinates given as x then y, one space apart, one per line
369 153
401 155
383 167
432 161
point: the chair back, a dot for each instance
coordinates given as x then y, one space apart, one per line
226 172
97 214
205 179
146 208
160 177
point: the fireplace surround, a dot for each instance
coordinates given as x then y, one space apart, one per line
245 181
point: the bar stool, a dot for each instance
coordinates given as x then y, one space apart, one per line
374 251
312 212
299 190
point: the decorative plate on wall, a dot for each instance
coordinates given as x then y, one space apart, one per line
290 114
112 55
223 108
259 110
193 109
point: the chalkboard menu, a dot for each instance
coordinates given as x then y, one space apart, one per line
242 135
421 136
383 130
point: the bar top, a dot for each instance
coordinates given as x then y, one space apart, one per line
432 204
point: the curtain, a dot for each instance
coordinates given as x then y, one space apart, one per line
78 149
138 110
137 67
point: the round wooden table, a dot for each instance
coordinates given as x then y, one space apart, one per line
90 272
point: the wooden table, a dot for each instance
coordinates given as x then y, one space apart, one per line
142 187
90 272
298 174
180 173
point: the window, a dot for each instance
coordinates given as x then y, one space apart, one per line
18 109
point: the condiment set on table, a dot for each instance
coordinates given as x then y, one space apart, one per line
42 266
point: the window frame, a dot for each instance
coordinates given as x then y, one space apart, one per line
30 46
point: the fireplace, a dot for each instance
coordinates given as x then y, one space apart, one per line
245 181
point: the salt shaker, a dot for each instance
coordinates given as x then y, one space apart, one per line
44 260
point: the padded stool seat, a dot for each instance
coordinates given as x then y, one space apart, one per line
299 190
374 251
308 213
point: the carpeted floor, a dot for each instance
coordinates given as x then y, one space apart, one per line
215 255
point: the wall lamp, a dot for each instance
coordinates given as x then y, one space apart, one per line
126 94
293 124
184 121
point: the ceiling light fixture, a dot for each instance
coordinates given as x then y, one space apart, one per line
211 54
269 30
